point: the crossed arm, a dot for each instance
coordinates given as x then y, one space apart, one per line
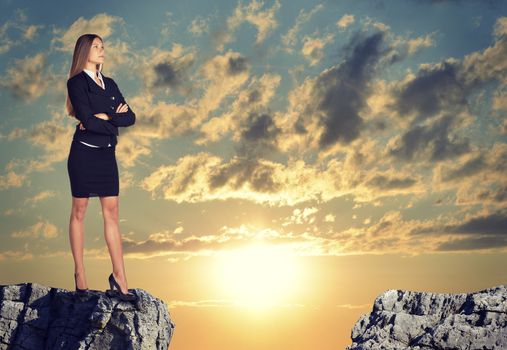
123 116
100 123
79 100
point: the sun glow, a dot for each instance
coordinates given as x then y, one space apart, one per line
259 276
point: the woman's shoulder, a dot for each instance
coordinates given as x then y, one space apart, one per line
76 79
108 80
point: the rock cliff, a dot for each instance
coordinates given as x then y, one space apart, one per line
417 320
33 316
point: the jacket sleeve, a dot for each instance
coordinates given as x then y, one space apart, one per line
77 95
127 118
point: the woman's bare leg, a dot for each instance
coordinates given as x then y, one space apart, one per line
113 239
76 236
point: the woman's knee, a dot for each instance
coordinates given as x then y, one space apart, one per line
110 212
79 206
79 211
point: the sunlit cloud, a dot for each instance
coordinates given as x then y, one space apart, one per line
17 23
345 21
166 70
199 25
29 77
101 24
262 19
117 52
313 47
305 216
416 44
42 229
245 110
290 39
11 179
39 197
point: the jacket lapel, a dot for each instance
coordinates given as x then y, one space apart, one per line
93 86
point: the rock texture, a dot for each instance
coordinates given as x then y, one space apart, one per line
33 316
416 320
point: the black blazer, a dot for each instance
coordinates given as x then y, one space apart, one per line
88 98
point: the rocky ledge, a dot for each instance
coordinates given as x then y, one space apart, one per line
417 320
33 316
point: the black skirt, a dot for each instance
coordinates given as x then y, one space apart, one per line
93 172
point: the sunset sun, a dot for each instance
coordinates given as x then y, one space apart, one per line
258 276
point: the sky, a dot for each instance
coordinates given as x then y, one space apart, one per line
290 160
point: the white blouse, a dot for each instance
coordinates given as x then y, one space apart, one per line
92 75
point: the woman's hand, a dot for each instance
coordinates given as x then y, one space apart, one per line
122 109
103 116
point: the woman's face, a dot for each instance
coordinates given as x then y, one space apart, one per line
96 55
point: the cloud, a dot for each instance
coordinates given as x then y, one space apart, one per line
474 232
330 218
433 142
435 88
500 28
17 23
101 24
43 229
491 224
220 76
313 48
474 243
117 52
14 134
258 136
298 217
416 44
250 102
478 177
12 180
224 74
39 197
290 39
52 137
15 255
444 87
167 70
263 21
386 182
345 21
204 177
327 109
28 78
131 149
390 234
199 26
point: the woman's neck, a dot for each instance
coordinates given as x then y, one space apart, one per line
92 68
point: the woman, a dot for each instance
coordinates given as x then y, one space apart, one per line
93 172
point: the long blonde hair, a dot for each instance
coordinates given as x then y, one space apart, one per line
79 59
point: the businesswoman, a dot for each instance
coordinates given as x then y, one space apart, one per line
97 103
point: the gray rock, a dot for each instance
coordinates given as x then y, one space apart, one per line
417 320
33 316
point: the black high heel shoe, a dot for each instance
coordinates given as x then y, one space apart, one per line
125 297
78 290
